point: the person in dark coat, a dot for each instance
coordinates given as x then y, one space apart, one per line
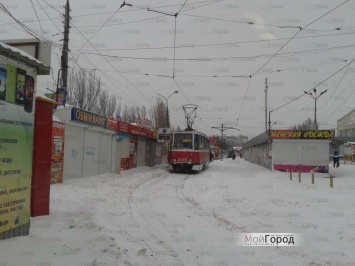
233 154
336 159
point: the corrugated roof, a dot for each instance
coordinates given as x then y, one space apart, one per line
262 138
19 55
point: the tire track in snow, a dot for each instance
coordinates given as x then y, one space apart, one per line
139 215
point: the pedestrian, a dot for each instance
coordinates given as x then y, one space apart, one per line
233 154
336 159
211 155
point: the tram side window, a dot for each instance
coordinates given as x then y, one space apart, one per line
202 143
196 142
183 141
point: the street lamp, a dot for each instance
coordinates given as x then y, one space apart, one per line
167 108
315 97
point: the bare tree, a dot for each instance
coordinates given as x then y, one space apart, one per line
102 103
111 107
125 115
106 104
118 112
84 89
144 112
133 113
158 114
306 125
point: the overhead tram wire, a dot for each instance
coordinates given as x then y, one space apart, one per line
217 44
130 22
261 24
338 84
312 88
232 58
108 77
55 24
241 107
87 40
39 22
61 13
175 18
222 76
346 99
142 94
25 28
181 90
193 8
302 28
29 31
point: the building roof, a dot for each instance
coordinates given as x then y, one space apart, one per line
19 55
260 139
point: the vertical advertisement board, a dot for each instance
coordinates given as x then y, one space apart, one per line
57 152
16 144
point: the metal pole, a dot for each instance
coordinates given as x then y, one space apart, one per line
167 115
315 109
64 59
269 124
266 105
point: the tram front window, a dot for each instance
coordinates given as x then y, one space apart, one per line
183 141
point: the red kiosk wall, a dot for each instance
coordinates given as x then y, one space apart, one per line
41 166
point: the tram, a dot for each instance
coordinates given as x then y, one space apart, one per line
189 151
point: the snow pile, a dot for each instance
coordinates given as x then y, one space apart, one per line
148 216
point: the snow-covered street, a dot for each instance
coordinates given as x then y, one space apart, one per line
148 216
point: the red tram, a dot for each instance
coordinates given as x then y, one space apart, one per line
189 151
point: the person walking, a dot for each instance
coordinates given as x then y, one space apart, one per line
336 159
233 154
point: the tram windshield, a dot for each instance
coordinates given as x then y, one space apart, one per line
182 141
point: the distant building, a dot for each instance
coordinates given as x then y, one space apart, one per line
346 125
236 140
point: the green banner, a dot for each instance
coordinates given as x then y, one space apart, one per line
16 148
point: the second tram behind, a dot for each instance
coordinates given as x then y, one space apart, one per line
189 151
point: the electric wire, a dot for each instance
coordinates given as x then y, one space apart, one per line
39 22
287 42
142 94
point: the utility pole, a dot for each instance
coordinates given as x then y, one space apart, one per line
266 105
222 128
64 57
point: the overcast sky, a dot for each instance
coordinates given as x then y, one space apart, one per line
223 52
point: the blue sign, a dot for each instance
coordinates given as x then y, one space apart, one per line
88 118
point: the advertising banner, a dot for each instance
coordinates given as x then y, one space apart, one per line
308 134
57 152
16 146
60 97
112 123
164 133
86 117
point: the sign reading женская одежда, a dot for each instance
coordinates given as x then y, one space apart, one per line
307 134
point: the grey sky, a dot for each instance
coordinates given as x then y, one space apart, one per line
219 45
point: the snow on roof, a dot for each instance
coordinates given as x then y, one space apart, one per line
17 54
